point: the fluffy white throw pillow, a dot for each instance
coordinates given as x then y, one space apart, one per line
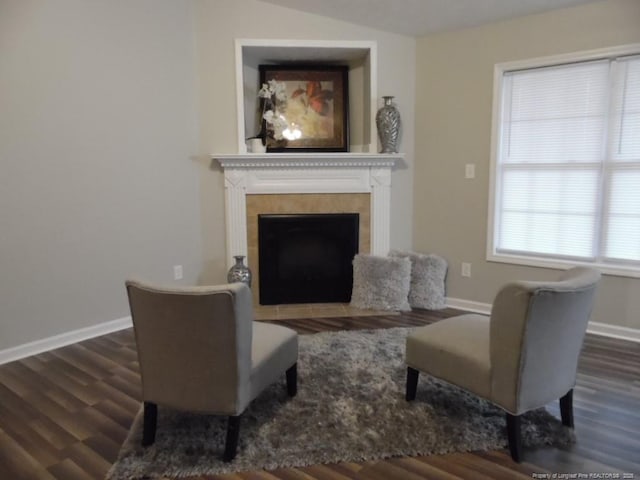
381 283
428 274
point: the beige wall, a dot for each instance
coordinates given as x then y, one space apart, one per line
453 125
109 111
97 126
218 24
103 175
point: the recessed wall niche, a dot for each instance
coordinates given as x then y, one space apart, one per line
359 56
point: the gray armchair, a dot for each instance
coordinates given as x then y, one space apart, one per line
200 350
522 357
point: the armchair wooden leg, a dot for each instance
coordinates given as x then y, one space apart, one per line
566 409
292 380
149 423
513 434
233 432
412 384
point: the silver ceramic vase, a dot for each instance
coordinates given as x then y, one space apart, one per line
388 123
239 272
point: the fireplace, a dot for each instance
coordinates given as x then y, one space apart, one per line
310 183
306 258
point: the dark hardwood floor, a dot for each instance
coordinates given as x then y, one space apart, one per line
65 413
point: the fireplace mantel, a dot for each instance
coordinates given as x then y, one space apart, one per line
308 160
280 173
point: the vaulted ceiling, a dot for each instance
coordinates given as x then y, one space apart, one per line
421 17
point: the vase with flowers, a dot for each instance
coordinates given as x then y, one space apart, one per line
273 98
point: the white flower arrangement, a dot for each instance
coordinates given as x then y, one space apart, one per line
274 97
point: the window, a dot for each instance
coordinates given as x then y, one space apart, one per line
566 166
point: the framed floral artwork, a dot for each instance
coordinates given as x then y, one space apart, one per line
305 107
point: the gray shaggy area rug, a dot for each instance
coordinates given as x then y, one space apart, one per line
350 407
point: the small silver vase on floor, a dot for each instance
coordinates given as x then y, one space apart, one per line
388 123
239 272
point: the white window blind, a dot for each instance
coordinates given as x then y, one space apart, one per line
568 163
622 227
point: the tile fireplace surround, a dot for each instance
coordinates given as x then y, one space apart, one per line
321 174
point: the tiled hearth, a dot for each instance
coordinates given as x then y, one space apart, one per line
305 183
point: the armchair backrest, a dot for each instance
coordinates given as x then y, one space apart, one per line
194 345
537 331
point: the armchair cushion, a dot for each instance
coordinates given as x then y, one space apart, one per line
274 349
455 350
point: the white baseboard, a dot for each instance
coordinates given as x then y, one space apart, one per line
602 329
614 331
57 341
469 305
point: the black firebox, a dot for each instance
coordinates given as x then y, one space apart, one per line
307 258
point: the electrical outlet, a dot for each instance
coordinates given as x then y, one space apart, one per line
466 269
177 272
470 170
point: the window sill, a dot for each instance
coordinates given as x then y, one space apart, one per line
605 269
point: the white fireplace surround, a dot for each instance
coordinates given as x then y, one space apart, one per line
281 173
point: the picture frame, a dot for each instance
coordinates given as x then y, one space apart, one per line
316 107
